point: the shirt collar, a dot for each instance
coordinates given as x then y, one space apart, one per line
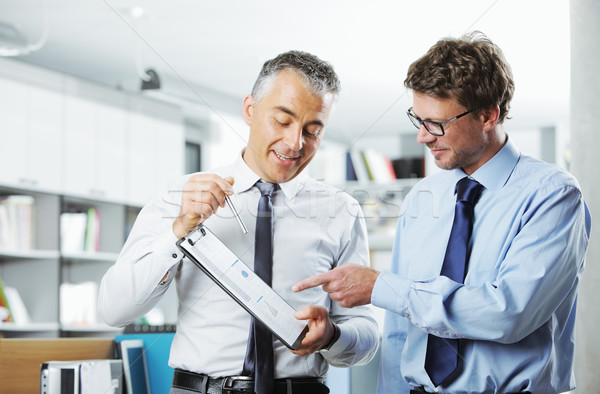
495 173
245 178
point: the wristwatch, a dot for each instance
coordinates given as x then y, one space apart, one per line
334 338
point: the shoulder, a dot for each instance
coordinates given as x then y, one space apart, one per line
542 176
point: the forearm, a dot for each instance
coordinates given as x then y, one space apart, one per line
514 284
135 283
505 309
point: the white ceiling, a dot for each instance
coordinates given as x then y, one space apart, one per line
211 51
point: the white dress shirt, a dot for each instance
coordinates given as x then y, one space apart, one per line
315 228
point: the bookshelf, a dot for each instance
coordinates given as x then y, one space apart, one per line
34 271
74 147
38 273
378 183
381 206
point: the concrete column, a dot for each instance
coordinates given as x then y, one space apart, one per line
585 140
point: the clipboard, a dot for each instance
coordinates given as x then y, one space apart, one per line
217 261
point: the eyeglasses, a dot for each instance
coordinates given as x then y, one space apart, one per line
435 128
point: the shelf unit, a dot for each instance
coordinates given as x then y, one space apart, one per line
38 273
381 206
72 144
380 203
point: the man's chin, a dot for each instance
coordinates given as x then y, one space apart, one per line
444 165
283 176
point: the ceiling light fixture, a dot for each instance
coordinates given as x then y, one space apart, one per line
152 82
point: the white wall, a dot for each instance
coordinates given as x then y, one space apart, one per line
585 101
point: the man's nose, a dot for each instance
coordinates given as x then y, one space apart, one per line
294 139
424 136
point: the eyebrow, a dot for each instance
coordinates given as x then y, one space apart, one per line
286 110
421 119
293 115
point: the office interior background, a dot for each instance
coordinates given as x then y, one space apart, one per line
103 101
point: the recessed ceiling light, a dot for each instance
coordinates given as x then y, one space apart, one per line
136 12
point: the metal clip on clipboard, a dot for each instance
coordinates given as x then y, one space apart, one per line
205 250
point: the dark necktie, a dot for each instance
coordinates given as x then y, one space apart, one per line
259 356
441 358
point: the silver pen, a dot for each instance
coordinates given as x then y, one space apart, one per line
236 214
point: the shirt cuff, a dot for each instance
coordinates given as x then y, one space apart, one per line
390 292
166 251
344 341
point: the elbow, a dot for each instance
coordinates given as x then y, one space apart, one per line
365 346
374 340
112 310
510 329
111 315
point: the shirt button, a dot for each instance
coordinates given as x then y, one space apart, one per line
174 255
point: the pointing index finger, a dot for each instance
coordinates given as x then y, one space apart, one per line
313 281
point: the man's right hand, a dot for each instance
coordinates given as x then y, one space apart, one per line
202 195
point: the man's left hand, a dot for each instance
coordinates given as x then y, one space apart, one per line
320 329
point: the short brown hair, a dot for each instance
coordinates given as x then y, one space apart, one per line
471 69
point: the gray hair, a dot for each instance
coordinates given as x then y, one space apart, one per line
318 75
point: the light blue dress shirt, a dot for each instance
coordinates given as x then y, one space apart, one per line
515 312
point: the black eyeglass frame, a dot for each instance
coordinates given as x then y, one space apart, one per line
417 122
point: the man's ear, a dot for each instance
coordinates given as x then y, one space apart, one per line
489 117
248 109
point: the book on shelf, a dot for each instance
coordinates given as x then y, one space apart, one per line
5 312
350 170
92 231
328 165
80 231
18 309
72 231
409 167
379 166
369 165
12 307
78 304
358 164
17 222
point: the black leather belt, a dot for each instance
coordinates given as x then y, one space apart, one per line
204 384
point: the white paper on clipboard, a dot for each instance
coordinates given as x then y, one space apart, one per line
203 248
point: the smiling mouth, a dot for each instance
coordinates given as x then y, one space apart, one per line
284 157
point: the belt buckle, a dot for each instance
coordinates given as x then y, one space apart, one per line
230 380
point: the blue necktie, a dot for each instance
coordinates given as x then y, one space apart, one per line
259 354
441 358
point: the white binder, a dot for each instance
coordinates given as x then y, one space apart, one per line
203 248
